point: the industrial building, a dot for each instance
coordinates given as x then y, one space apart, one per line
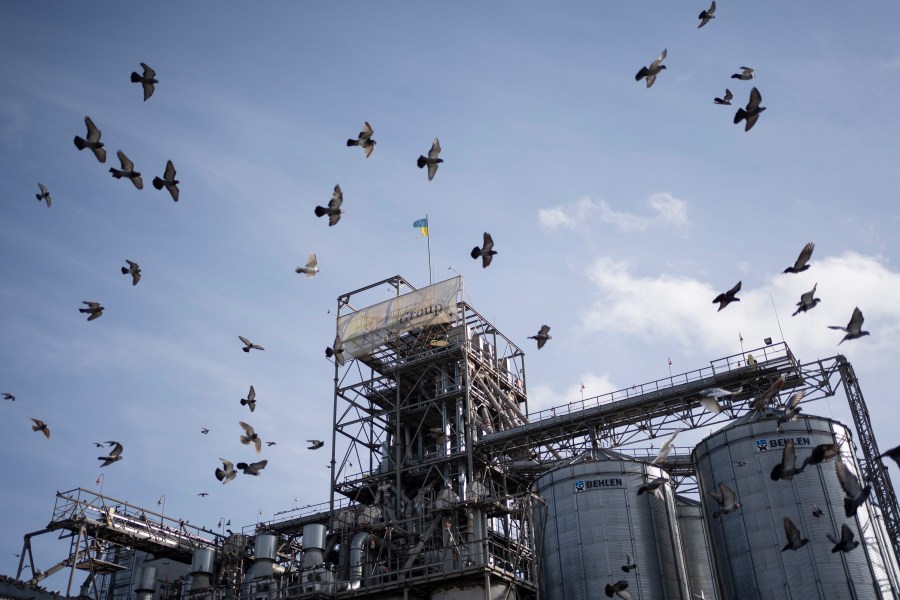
444 485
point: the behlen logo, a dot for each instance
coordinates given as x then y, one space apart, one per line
591 484
766 444
579 485
762 445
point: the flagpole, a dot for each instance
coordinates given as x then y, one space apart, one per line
428 238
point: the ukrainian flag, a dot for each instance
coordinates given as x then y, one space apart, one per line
422 224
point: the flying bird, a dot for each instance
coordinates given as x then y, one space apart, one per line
134 269
751 112
93 141
270 444
794 540
251 436
792 410
845 543
227 472
654 486
365 140
893 453
40 426
816 511
432 160
666 448
114 455
707 15
311 267
168 181
821 453
486 252
787 468
315 444
726 298
767 396
726 500
853 328
334 210
746 74
203 494
147 80
629 565
709 398
127 171
337 350
98 445
620 589
807 301
248 345
250 400
204 431
44 195
802 262
252 468
8 396
854 494
542 336
653 70
93 308
726 101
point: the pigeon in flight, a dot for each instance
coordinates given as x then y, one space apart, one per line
726 101
40 426
93 141
817 512
98 444
203 494
746 74
227 472
707 15
251 437
653 70
311 268
855 494
666 448
751 112
334 210
787 468
270 444
315 444
93 308
168 181
250 400
432 160
114 454
821 453
767 396
486 252
204 431
709 398
853 328
620 589
807 301
726 298
629 565
654 486
44 195
725 499
127 170
791 410
845 543
337 350
794 540
148 80
134 269
248 345
542 336
801 264
893 453
252 468
8 396
365 140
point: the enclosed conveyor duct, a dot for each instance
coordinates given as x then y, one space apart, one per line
145 585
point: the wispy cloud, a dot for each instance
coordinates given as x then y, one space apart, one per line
666 212
542 397
891 63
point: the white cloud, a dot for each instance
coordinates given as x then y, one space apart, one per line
669 310
667 212
542 397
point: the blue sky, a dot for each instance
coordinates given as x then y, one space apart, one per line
618 212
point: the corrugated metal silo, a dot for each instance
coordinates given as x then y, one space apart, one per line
747 544
697 553
593 516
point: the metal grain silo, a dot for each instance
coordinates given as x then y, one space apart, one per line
747 544
593 516
695 543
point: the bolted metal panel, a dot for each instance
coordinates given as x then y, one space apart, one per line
747 544
594 516
698 555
